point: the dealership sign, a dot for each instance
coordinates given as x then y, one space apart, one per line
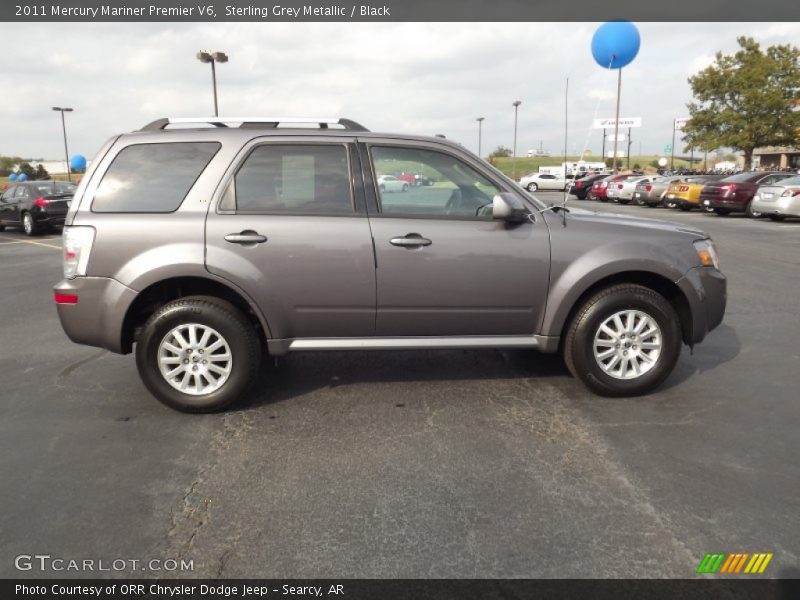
611 123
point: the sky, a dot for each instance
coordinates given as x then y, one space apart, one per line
421 78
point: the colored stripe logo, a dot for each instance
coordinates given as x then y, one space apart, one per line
735 563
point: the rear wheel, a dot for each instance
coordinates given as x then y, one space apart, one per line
623 341
405 187
753 214
685 207
777 217
29 226
532 187
198 354
722 211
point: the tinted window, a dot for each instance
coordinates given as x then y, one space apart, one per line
294 179
451 187
152 178
791 181
45 188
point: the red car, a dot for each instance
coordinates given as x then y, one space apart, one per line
734 193
600 187
414 178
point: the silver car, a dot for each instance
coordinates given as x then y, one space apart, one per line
622 191
651 193
204 247
779 200
544 181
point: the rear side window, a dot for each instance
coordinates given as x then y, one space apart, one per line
292 179
152 178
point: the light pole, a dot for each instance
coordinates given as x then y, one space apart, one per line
515 104
213 57
62 110
480 121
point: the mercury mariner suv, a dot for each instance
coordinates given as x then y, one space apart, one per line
206 244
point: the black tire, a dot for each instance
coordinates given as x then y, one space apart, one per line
776 217
29 226
623 201
405 187
532 187
685 207
749 212
580 196
232 325
579 339
2 227
721 212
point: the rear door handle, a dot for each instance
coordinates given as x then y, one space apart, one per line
246 237
411 240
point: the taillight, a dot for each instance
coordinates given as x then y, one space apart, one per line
730 187
791 193
648 188
41 202
619 186
77 247
65 298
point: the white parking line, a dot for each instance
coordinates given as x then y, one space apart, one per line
32 242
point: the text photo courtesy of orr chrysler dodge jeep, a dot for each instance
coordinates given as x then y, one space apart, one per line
205 244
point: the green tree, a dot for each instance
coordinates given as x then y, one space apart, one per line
746 100
500 152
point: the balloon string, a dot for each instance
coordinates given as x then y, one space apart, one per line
594 116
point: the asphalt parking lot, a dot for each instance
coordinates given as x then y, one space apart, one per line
412 464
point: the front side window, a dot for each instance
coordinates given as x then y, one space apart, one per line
292 179
446 186
152 178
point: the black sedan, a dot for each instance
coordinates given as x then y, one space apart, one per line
35 205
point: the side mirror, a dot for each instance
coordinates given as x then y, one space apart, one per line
509 208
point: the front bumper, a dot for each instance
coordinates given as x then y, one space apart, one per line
706 290
97 317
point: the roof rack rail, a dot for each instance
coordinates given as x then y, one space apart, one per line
255 122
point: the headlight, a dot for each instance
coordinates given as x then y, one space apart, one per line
707 253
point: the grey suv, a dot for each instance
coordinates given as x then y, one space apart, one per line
206 243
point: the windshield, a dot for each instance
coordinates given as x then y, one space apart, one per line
789 181
740 178
54 187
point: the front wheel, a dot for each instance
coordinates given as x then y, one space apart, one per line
623 341
198 354
532 187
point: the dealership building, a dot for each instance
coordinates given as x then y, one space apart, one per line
776 156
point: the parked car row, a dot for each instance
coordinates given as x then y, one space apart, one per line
774 194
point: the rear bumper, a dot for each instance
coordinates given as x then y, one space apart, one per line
788 206
97 317
732 204
706 290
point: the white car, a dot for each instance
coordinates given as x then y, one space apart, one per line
622 191
390 183
543 181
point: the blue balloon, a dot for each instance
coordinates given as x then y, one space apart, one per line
77 162
615 44
12 177
22 177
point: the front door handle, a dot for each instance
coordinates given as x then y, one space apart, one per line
410 240
247 236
